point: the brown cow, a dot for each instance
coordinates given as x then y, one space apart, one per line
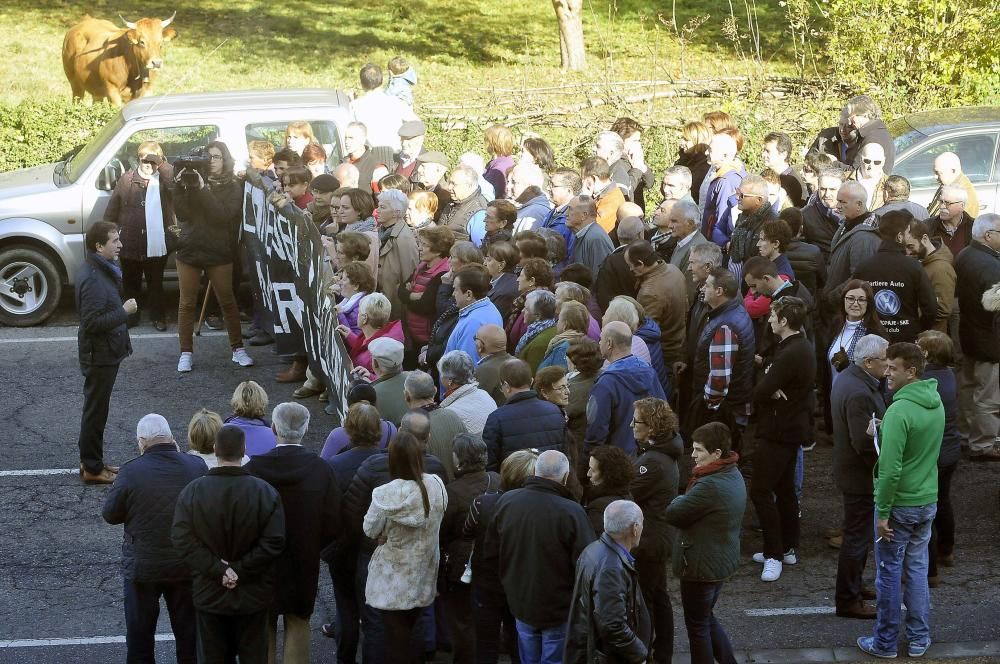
105 60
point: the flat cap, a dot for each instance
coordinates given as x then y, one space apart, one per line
433 157
324 183
412 128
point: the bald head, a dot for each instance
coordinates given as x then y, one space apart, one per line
347 175
552 465
852 199
872 161
947 167
629 229
618 336
493 338
629 210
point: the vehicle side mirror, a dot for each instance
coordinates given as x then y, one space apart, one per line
108 178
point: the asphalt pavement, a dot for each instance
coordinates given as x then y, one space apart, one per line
61 588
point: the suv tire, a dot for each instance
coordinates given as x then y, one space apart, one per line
35 275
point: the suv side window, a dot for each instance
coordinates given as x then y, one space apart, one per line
175 142
274 133
975 150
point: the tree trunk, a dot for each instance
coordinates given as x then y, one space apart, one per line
572 53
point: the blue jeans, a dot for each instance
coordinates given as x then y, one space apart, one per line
540 646
706 637
906 553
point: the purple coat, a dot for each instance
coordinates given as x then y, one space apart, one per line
260 438
338 440
496 174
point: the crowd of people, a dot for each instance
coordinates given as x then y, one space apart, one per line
535 354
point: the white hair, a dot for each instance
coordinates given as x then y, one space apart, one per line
955 192
153 426
689 212
376 305
611 138
869 346
984 223
457 367
394 199
473 160
419 385
682 172
291 421
530 175
855 190
620 516
552 465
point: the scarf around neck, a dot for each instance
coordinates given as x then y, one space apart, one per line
533 331
711 468
111 266
156 239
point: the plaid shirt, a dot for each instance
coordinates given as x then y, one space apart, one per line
721 352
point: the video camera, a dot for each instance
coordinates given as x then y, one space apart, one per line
194 163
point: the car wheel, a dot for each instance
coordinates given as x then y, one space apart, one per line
30 286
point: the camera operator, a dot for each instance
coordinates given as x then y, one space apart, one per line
208 201
142 207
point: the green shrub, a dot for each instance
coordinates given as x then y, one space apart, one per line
916 53
39 132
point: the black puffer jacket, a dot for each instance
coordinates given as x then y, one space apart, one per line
373 473
311 500
653 487
697 163
524 422
103 335
978 268
143 498
608 620
597 498
209 218
230 515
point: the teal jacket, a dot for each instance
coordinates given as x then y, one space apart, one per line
708 517
910 441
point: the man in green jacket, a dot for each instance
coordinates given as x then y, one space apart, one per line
906 489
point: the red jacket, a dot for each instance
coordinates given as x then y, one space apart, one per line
357 344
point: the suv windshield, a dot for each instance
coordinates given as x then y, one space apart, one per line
79 162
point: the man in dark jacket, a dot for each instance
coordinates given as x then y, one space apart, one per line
229 527
806 259
820 216
624 381
855 241
491 343
103 343
862 118
783 405
143 498
703 259
311 501
615 277
855 398
953 223
901 286
978 270
608 619
539 532
524 421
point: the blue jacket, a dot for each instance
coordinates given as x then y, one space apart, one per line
523 422
649 332
557 222
609 410
143 497
534 213
103 335
470 319
717 203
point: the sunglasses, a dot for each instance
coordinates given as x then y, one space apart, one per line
872 161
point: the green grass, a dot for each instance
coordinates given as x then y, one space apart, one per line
485 56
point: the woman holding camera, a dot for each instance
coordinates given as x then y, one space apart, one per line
142 207
208 209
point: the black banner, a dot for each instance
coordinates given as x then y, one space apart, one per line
287 257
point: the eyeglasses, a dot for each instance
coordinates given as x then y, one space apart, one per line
215 157
949 203
877 162
635 421
151 162
741 195
850 299
561 388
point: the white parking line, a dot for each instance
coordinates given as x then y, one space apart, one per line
792 611
39 471
80 641
155 335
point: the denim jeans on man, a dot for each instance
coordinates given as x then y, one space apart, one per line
540 646
906 554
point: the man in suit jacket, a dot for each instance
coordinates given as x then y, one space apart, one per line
684 220
103 343
593 244
491 342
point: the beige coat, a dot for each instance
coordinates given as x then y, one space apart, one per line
403 572
663 294
397 259
938 266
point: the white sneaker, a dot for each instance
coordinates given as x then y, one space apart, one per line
241 358
772 570
789 558
185 362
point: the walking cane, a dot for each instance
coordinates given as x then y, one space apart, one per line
204 306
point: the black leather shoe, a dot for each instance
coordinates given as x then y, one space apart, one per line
859 610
